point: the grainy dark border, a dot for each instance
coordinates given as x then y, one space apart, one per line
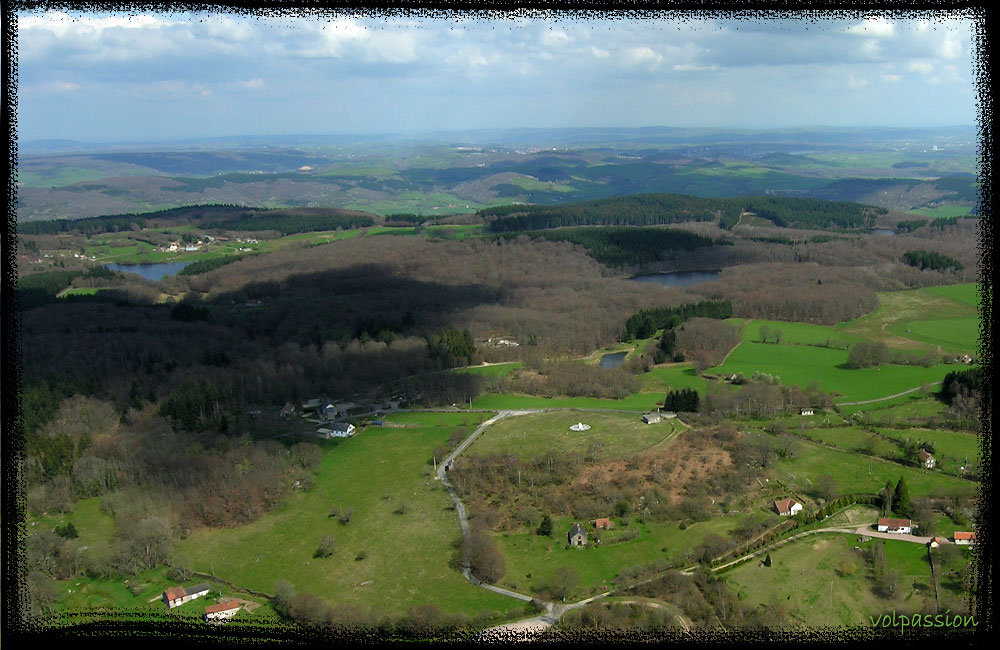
131 630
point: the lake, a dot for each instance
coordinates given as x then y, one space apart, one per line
613 360
154 272
678 278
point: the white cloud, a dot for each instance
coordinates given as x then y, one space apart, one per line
642 55
878 27
856 82
921 67
59 87
555 38
891 78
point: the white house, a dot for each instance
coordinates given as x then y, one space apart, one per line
337 430
175 596
964 538
222 611
651 418
806 411
788 507
890 525
926 460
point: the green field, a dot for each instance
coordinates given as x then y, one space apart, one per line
940 319
822 580
802 365
639 402
854 473
674 376
799 333
943 211
408 556
530 437
532 558
906 408
494 370
952 449
852 439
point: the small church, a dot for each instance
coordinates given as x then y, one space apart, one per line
577 536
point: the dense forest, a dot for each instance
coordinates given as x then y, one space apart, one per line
223 217
632 247
660 209
930 260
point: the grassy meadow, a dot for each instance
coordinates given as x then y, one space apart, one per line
611 435
396 552
532 559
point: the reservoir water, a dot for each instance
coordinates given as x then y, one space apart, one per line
678 278
154 272
613 360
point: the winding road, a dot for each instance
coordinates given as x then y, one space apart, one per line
528 628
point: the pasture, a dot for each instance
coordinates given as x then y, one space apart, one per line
940 319
802 365
672 376
396 552
822 580
637 402
854 473
532 558
611 435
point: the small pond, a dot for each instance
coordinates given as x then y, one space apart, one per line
678 278
613 360
154 272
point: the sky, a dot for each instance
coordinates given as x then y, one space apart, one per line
159 77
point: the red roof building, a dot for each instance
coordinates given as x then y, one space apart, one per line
787 507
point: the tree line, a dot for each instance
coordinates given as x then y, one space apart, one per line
922 259
646 322
660 209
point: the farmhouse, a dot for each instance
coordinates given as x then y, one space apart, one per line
175 596
890 525
937 541
337 430
651 418
787 507
222 611
311 404
805 411
604 523
926 460
287 411
964 538
577 536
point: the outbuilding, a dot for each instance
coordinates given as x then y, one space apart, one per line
175 596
